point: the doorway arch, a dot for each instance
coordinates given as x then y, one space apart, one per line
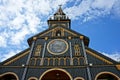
56 74
107 76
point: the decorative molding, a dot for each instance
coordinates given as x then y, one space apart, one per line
16 58
59 69
54 30
71 32
69 37
37 50
58 61
34 38
106 72
79 78
77 50
46 38
33 78
81 37
7 73
99 57
118 66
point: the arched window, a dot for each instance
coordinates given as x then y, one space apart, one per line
58 33
56 74
9 76
78 78
32 78
106 76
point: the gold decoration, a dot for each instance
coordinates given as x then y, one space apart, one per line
37 50
18 57
46 38
77 50
69 37
99 57
118 66
59 69
81 37
34 38
9 73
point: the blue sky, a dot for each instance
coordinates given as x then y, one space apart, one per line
97 19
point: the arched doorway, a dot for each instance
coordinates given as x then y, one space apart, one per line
8 76
106 76
56 74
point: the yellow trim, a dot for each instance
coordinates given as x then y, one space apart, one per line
60 29
33 78
69 37
25 53
9 73
45 33
57 53
118 66
105 72
81 37
71 32
77 78
59 69
46 38
99 57
34 38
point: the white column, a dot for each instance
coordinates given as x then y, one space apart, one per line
71 60
43 54
28 59
86 60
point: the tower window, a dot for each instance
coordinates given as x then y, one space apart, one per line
58 33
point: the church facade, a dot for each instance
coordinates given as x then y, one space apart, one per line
59 53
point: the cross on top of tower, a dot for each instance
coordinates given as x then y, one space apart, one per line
59 18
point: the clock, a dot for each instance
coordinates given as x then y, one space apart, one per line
57 46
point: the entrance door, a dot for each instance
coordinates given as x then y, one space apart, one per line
55 75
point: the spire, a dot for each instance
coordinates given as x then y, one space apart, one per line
59 18
60 15
59 11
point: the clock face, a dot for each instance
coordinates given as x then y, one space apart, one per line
57 46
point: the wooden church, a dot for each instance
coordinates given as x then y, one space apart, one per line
59 53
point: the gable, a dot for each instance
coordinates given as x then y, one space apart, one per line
64 33
17 60
52 32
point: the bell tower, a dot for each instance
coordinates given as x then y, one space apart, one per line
59 19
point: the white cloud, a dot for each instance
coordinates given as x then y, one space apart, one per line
76 11
115 56
116 8
3 39
18 37
92 9
2 42
8 55
102 4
